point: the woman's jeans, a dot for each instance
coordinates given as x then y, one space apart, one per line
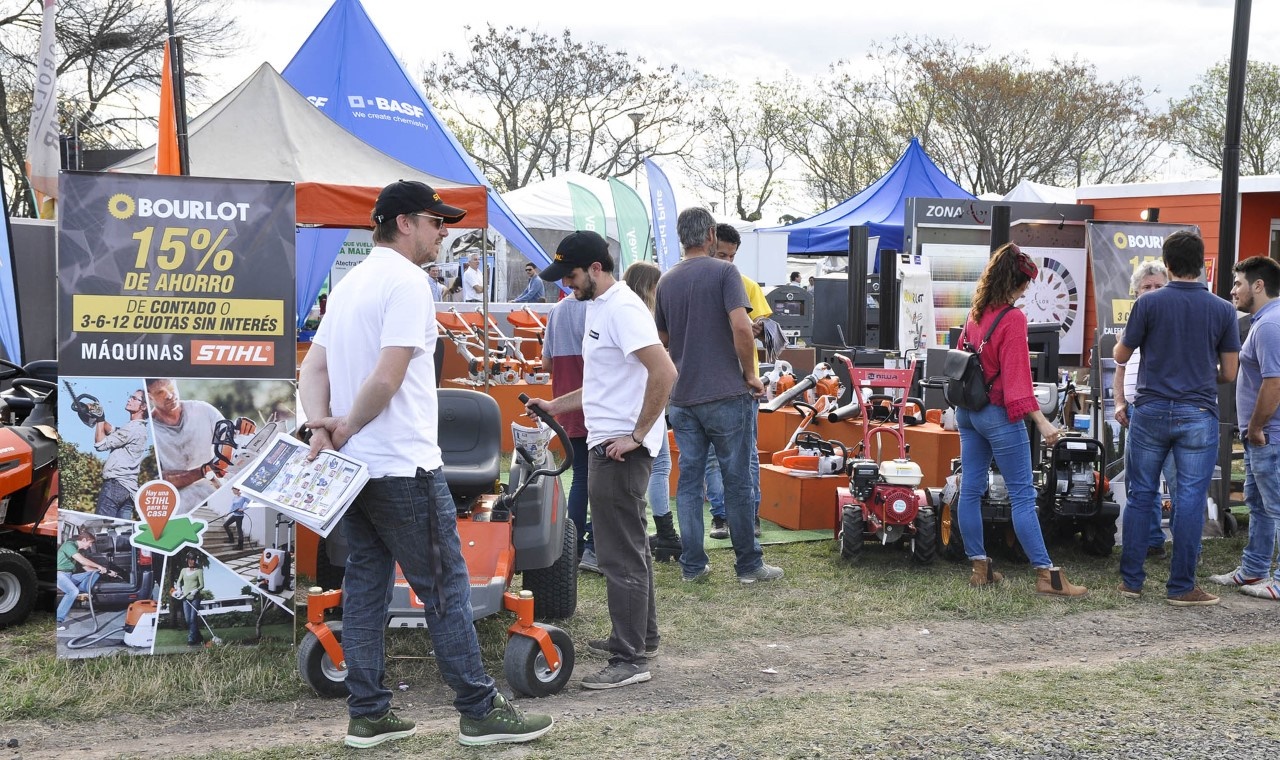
578 494
986 435
1190 433
659 490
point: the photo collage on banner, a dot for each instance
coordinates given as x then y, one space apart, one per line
177 354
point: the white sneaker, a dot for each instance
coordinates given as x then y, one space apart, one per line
1267 590
1236 577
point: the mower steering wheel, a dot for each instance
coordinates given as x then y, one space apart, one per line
35 389
11 368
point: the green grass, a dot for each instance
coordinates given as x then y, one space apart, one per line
820 594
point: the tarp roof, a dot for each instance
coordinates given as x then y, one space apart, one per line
1034 192
264 129
879 207
346 68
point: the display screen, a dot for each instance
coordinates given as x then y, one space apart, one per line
790 308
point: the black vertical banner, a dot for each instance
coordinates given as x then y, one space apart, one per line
1116 250
176 277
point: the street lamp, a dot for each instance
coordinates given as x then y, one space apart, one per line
635 117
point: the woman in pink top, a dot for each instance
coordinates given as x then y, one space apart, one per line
999 431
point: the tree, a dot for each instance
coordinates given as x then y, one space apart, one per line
1199 120
529 105
989 121
741 149
109 51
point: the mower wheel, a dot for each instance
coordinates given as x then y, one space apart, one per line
851 529
17 588
317 669
925 546
1099 537
526 669
555 588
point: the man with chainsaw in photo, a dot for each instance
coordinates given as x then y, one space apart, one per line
626 380
368 389
194 442
127 445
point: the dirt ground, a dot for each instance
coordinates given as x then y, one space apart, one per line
946 650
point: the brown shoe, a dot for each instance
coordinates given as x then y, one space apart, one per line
1193 598
983 575
1129 593
1051 582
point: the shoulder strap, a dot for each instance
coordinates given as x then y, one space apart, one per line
994 325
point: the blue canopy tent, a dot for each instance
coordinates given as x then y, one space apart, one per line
346 69
879 208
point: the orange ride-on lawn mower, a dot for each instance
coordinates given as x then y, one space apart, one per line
28 488
523 528
884 502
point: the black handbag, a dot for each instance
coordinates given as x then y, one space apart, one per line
966 386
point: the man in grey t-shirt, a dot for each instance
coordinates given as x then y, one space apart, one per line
701 313
184 441
127 445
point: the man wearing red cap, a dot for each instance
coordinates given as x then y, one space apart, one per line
368 388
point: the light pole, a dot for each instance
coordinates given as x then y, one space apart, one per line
635 117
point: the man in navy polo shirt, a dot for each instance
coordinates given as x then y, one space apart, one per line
1190 343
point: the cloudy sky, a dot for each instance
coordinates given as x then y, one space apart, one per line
1166 43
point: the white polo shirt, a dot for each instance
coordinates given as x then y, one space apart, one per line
613 379
385 301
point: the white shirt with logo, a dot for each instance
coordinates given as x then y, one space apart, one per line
613 379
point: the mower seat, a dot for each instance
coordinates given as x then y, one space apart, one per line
470 434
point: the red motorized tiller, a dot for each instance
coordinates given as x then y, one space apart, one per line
884 502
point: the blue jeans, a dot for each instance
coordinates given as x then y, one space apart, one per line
1190 433
986 435
115 500
1262 495
71 584
1170 472
411 521
191 610
726 425
715 485
578 495
659 490
715 481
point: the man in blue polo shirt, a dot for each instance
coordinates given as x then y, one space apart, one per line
1190 343
1257 291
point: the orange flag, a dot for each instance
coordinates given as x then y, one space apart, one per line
167 145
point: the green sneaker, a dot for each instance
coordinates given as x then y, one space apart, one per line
504 723
363 733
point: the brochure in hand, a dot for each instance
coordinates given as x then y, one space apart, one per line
315 494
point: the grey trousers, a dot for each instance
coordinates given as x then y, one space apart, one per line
616 491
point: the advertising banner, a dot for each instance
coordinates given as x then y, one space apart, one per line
1117 249
588 213
633 223
663 203
176 276
177 354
